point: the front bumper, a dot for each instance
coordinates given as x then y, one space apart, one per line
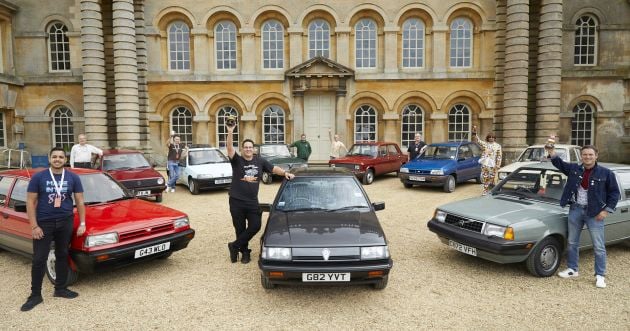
292 271
124 255
210 183
428 180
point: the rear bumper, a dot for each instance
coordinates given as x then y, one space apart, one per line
292 272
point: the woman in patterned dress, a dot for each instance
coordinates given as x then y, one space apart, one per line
490 159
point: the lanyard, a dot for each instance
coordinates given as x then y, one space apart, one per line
57 187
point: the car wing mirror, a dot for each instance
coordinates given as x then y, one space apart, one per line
20 207
378 205
264 207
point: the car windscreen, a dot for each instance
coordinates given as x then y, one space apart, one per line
538 184
539 154
275 150
440 152
321 193
362 150
124 161
99 188
206 157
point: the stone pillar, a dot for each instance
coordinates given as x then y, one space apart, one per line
439 48
143 94
203 52
298 115
93 67
248 62
390 132
496 104
126 74
295 46
391 49
549 79
341 115
516 73
343 46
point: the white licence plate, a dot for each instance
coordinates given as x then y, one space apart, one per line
326 277
223 181
152 250
462 248
143 193
417 178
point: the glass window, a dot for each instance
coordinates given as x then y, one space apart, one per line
18 194
58 47
181 123
225 45
5 185
273 45
63 128
582 125
585 47
206 156
458 123
321 193
461 43
391 150
365 44
223 113
273 125
624 181
413 43
365 124
179 46
412 123
318 39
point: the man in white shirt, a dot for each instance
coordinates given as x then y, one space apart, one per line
81 153
335 146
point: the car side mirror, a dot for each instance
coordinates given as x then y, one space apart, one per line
378 205
20 207
264 207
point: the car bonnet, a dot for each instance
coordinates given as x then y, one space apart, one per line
427 164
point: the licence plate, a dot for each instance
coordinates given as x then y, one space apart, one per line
462 248
326 277
223 181
417 178
143 193
152 250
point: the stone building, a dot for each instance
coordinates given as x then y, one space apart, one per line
127 72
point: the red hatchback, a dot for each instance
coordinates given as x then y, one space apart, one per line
369 159
120 229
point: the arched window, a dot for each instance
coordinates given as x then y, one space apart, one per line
318 39
413 43
458 123
412 123
273 125
582 124
365 124
365 43
273 45
181 123
179 46
225 45
58 47
585 50
222 114
461 43
63 129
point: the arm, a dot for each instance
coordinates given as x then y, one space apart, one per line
31 205
96 150
78 198
557 162
278 171
72 151
229 141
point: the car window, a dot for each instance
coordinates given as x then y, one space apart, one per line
464 151
578 155
475 150
538 184
275 150
382 150
441 152
5 184
391 149
624 183
362 150
124 161
206 156
321 193
99 187
18 194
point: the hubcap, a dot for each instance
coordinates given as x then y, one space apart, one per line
191 185
451 184
50 263
548 258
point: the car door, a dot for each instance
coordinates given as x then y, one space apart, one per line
183 170
617 224
465 165
395 157
381 163
17 223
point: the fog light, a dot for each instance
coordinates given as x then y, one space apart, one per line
276 274
374 274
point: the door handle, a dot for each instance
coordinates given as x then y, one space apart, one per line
624 210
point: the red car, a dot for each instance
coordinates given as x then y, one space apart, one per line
120 229
369 159
132 170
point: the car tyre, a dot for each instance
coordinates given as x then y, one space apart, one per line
50 268
267 178
478 179
368 178
406 185
158 198
382 283
266 283
544 260
449 184
193 187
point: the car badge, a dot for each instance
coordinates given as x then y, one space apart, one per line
461 223
326 253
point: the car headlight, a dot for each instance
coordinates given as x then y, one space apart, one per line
357 167
181 222
440 216
495 230
374 252
160 181
276 253
439 172
204 176
101 239
503 175
405 170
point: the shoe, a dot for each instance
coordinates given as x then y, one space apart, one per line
233 252
65 293
568 273
172 190
31 302
600 281
167 188
246 256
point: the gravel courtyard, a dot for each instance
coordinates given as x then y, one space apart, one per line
431 286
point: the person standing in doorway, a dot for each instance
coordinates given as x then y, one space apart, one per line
175 150
490 160
303 148
81 153
416 148
335 146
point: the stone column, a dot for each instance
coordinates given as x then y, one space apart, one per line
439 47
203 52
126 74
391 49
496 104
549 70
295 46
93 67
298 115
248 52
343 46
390 132
143 94
341 116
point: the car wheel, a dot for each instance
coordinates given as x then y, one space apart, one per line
406 185
368 178
192 186
544 260
266 283
52 273
267 178
158 198
449 184
478 179
381 283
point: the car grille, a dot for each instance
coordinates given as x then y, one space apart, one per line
464 223
345 165
148 231
335 254
421 172
134 183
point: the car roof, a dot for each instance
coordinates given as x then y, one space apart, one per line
555 146
322 171
374 143
29 172
120 151
200 148
451 143
549 165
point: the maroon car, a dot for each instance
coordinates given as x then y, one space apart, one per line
132 170
369 159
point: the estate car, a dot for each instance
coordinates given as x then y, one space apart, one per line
370 159
536 153
278 155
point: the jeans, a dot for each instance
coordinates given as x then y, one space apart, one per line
577 219
246 218
59 231
173 172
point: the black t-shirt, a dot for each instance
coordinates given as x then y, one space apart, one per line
175 151
414 149
243 190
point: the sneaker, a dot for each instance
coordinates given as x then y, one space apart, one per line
172 190
167 188
65 293
31 302
246 256
600 281
233 252
568 273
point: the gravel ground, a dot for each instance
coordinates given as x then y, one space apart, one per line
430 285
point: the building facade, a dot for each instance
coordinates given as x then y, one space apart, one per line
127 72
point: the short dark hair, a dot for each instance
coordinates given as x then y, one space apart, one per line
247 141
490 135
57 148
589 147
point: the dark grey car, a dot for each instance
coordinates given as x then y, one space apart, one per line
322 229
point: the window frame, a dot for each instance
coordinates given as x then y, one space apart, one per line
357 58
169 50
221 115
324 33
61 32
464 135
372 121
467 29
588 120
68 115
580 27
232 42
421 40
410 134
185 136
265 34
266 115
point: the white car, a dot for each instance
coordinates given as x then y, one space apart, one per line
204 168
536 153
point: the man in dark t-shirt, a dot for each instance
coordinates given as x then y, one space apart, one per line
246 173
416 148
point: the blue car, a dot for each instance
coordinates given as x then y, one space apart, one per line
443 164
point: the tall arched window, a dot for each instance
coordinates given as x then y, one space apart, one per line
412 123
181 123
225 45
458 123
582 124
365 43
461 43
222 114
273 45
273 125
413 43
365 124
179 46
318 39
63 129
585 49
58 47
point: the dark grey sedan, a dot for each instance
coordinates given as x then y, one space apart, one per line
322 229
